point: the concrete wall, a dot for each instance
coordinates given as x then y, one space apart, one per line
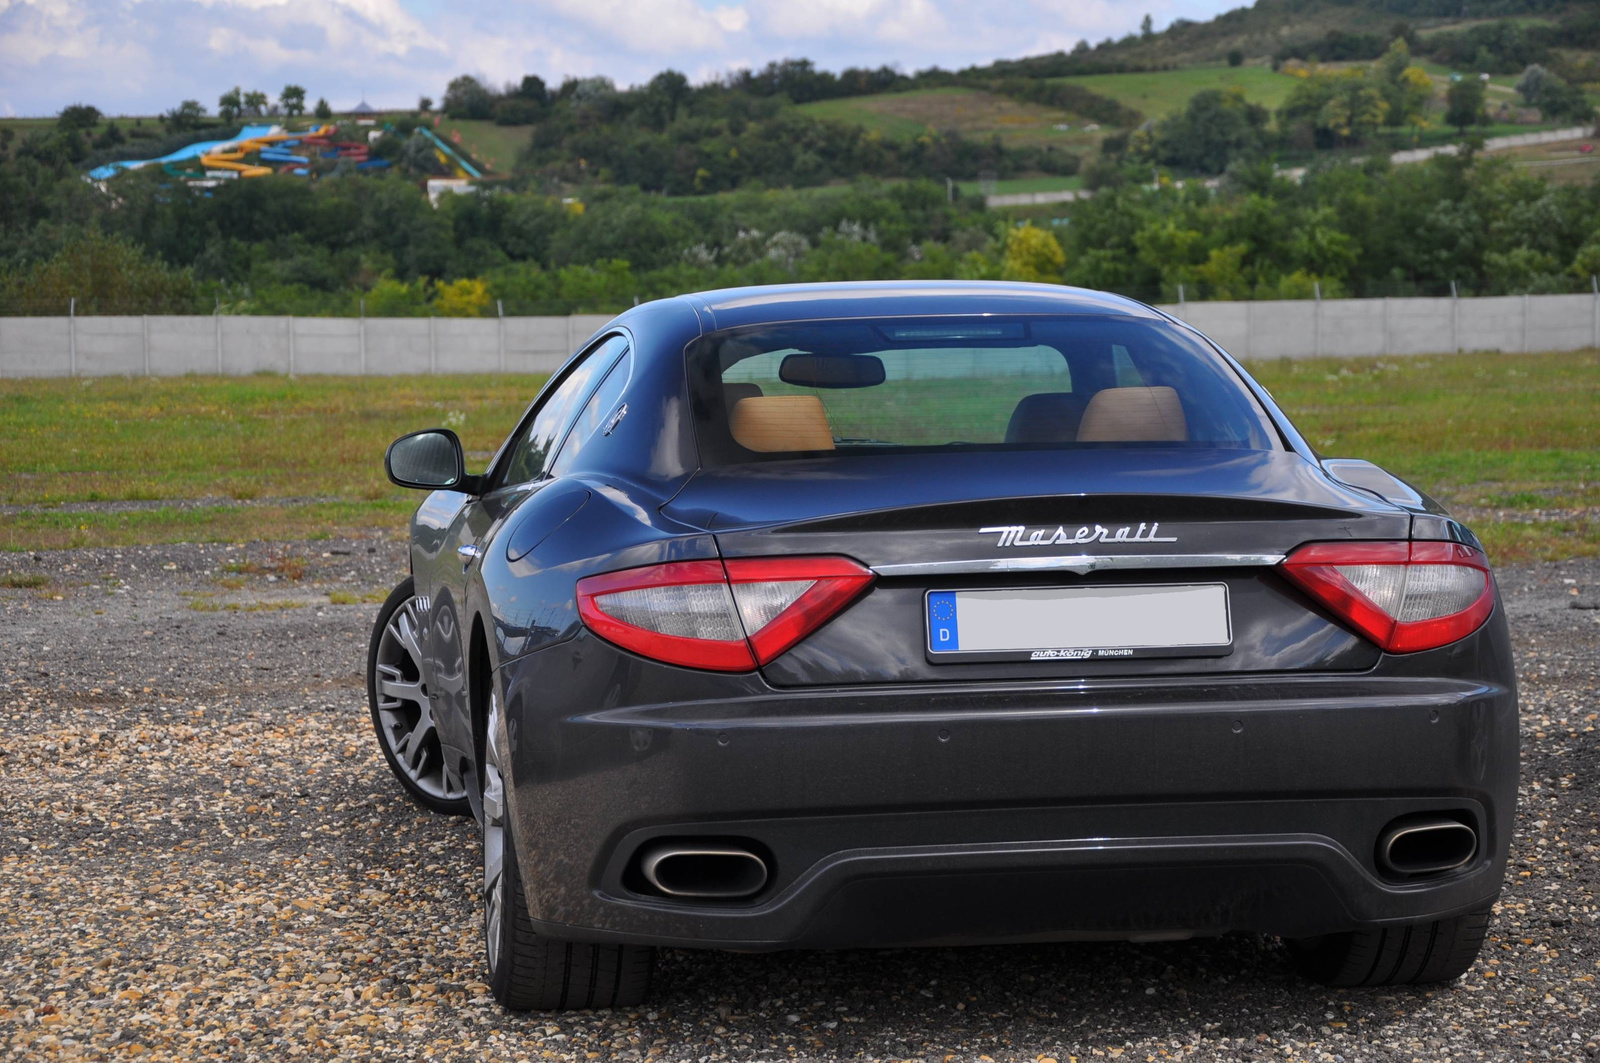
173 346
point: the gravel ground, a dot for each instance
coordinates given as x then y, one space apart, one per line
202 855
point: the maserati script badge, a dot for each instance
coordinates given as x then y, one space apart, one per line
1019 535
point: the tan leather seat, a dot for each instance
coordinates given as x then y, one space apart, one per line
781 422
733 391
1134 415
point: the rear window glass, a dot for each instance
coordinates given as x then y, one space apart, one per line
851 387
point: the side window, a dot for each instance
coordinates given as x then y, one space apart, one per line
531 453
594 415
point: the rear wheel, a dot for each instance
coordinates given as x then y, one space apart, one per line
1438 951
528 971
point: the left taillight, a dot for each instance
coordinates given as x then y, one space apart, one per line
724 616
1405 596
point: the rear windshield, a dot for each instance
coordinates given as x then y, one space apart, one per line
993 383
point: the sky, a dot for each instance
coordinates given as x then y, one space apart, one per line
144 56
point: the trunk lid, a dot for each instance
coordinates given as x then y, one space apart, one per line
1043 519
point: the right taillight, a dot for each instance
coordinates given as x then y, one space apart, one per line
733 618
1404 596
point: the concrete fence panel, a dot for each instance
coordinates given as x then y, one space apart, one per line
180 345
254 345
110 346
1226 323
1353 327
1421 326
35 346
467 345
1494 323
399 345
1281 329
327 345
1560 323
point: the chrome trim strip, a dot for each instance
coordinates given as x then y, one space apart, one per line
1078 563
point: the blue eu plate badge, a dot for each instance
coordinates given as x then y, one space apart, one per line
943 633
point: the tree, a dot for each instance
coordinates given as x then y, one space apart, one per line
1464 104
1147 27
293 100
185 116
323 111
466 97
1406 89
1032 255
1235 56
255 103
1215 128
106 275
425 104
533 88
78 116
230 104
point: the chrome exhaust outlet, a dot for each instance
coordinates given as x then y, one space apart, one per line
1426 846
725 872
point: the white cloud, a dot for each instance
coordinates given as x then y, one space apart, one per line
143 56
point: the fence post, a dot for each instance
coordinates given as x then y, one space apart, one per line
72 336
569 334
1455 319
291 346
361 335
1525 299
1249 327
1316 319
216 317
500 312
1386 325
144 328
1181 306
1594 282
433 346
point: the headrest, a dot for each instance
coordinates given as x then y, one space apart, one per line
1048 417
733 391
781 422
1134 415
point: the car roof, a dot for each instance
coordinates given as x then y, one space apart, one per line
734 307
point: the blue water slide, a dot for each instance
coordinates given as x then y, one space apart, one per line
193 151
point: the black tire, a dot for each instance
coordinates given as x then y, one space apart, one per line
537 973
1438 951
446 806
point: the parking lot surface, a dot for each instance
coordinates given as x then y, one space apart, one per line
202 855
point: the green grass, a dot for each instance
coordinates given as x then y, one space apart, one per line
1162 92
1025 184
973 113
1510 442
1495 437
495 146
316 442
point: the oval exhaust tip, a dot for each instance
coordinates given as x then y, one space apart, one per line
705 871
1427 846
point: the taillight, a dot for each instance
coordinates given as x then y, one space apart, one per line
731 617
1403 596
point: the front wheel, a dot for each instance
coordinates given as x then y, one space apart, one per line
1438 951
402 716
528 971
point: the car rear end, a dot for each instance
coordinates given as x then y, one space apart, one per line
1018 628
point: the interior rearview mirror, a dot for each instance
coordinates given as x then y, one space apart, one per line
430 460
832 370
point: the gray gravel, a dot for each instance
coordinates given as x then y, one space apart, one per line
202 855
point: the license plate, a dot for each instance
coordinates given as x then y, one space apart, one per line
1079 623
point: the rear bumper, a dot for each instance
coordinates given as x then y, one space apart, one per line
1016 812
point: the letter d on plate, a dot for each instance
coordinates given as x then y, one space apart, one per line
943 634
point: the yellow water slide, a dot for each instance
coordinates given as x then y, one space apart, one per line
231 158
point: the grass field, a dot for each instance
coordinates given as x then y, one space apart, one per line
1510 442
1025 184
1162 92
971 112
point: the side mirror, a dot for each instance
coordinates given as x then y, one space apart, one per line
431 460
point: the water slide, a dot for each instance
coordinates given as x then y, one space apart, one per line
449 156
230 156
250 138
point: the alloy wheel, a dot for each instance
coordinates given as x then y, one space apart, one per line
405 716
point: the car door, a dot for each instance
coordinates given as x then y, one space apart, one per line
522 469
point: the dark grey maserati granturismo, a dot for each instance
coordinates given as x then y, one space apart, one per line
895 614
